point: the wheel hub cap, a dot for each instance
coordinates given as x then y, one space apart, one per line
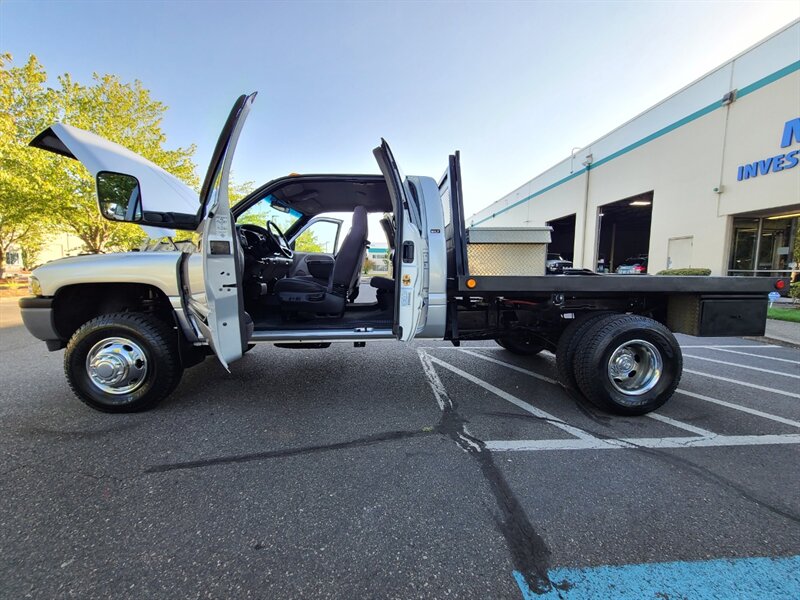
116 365
635 367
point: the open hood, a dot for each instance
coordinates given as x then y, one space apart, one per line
161 200
163 192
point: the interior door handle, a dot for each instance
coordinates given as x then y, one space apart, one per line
408 252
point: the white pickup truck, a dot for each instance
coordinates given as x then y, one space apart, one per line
132 322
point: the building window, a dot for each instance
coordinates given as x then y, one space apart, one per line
745 234
763 246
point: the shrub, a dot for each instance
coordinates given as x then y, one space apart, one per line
685 272
794 290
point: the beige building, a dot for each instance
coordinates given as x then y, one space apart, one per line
709 177
54 247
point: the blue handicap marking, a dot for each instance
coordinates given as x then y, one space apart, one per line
719 579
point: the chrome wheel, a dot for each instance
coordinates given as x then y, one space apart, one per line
635 367
116 365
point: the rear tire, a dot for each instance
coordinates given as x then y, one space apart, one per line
628 365
520 346
568 344
123 362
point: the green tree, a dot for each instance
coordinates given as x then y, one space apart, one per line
307 242
237 191
25 109
368 266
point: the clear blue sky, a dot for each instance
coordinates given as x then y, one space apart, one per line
514 86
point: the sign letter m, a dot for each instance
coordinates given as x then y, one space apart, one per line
790 130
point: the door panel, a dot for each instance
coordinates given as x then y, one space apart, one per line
302 268
216 303
410 249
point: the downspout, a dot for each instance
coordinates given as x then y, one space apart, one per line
587 164
726 101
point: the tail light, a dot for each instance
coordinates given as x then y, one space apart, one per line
638 268
780 284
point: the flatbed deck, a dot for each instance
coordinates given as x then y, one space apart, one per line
597 283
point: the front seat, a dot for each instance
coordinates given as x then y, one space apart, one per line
304 294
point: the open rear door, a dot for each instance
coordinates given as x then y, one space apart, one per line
215 304
409 249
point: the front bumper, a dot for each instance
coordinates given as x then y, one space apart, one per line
37 315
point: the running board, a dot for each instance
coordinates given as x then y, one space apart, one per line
317 335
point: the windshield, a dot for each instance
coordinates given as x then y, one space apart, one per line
264 210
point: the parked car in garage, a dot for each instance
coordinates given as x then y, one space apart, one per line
633 266
555 265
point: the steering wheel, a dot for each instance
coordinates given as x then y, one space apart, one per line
255 238
279 239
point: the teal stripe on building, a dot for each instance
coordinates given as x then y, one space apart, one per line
748 89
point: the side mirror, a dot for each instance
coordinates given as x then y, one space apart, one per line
119 197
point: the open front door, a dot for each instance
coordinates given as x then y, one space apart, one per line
410 249
215 303
155 199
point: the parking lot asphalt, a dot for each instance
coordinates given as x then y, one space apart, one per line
400 471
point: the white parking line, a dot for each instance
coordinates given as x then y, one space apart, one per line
740 408
786 360
586 441
552 419
715 346
657 417
682 425
709 346
439 391
741 366
671 442
744 383
510 366
492 348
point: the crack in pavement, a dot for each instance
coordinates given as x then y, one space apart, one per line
529 551
369 440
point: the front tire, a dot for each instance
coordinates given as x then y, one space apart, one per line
123 362
628 365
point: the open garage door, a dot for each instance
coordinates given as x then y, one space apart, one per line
562 239
624 231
